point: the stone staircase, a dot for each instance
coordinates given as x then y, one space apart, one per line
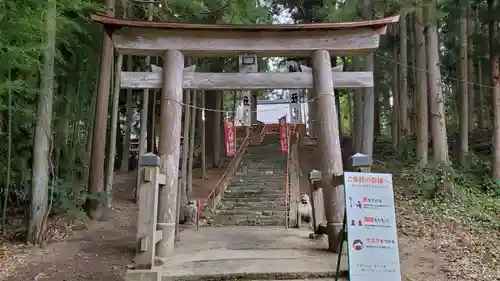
255 195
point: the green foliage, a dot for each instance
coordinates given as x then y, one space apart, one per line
475 201
22 35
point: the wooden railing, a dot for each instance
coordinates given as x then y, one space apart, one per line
150 181
217 192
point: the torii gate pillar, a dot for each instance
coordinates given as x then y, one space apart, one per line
169 148
329 146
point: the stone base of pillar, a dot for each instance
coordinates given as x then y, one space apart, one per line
334 231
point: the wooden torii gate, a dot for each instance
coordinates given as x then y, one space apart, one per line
173 41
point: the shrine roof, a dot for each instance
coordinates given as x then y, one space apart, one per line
378 24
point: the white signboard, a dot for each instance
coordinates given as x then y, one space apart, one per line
371 227
295 106
246 100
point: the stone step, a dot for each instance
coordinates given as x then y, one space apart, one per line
260 188
272 194
251 199
228 205
257 186
252 212
253 209
263 193
264 170
242 220
258 177
272 190
270 168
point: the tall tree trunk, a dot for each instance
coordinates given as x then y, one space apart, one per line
217 123
39 206
438 120
128 123
421 76
350 107
113 130
412 101
493 4
151 146
182 198
192 147
358 112
203 137
395 128
403 86
339 114
464 111
482 105
368 95
470 67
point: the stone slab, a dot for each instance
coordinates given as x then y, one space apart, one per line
229 253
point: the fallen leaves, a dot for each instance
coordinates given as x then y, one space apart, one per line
468 245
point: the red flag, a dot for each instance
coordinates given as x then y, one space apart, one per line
229 133
283 135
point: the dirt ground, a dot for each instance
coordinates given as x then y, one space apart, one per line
99 251
104 250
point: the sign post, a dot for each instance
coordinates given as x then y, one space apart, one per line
369 226
295 108
247 63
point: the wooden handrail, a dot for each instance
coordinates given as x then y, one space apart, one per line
263 133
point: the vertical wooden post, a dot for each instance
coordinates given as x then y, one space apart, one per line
217 124
93 208
110 169
125 164
144 124
312 111
317 202
144 104
151 147
181 197
358 109
329 146
203 137
169 147
147 235
192 147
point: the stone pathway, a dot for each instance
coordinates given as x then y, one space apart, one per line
214 253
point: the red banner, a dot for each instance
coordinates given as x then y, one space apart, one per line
283 135
230 137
